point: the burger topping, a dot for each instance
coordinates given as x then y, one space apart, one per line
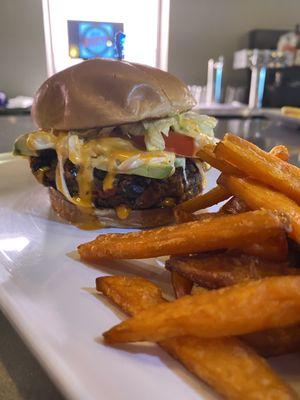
153 135
151 149
108 182
188 124
131 191
123 211
112 154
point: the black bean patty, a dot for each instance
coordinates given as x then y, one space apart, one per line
135 191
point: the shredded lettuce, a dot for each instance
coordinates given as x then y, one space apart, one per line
154 131
21 148
60 179
193 124
154 140
29 143
41 140
199 127
74 148
180 162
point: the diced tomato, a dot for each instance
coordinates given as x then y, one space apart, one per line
139 142
180 144
175 142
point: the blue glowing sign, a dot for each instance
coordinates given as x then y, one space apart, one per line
93 39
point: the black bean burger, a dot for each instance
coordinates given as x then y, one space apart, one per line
116 143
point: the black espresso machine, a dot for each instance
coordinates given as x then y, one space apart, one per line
281 78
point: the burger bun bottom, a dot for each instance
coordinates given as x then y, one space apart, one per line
107 217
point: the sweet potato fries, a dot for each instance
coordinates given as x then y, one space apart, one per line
235 274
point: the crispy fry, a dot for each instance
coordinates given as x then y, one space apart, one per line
225 364
183 216
275 342
259 196
207 154
128 291
208 199
182 286
207 216
234 371
294 253
281 152
273 249
234 206
260 165
268 343
235 310
229 231
219 270
228 367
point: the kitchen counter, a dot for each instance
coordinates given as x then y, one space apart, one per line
14 111
21 377
12 126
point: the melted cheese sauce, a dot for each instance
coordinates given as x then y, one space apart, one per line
123 212
112 154
114 151
90 226
108 182
40 173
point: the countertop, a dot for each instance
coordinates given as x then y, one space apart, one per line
21 377
14 111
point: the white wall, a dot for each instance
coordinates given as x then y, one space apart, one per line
22 48
136 15
201 29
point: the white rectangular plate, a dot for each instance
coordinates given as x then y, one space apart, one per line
45 292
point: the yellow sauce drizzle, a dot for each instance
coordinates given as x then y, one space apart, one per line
108 182
111 151
58 180
61 156
39 174
123 211
84 180
89 226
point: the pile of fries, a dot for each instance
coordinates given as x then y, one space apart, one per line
234 274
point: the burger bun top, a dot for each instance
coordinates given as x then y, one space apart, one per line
104 92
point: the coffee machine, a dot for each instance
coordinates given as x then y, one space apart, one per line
281 78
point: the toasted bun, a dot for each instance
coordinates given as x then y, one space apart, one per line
102 92
107 217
